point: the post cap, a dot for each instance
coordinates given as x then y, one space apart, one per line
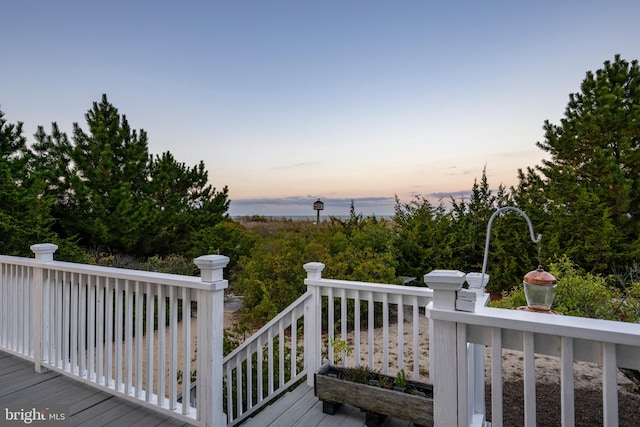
211 266
476 280
44 251
445 279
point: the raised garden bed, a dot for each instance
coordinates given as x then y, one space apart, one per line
376 394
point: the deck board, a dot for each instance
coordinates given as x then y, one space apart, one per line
87 406
300 407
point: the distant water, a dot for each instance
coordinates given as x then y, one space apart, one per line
302 207
302 217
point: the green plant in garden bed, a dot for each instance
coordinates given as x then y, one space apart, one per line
369 376
401 380
353 386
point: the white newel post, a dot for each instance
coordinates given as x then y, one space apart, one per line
44 253
312 323
210 340
443 346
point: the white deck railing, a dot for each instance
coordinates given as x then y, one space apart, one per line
462 337
361 315
296 341
118 330
122 331
266 364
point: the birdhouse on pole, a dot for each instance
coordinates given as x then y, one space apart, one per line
318 206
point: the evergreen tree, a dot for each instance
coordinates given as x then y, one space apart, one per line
423 238
13 154
469 224
13 146
186 204
25 210
107 206
115 197
592 178
52 164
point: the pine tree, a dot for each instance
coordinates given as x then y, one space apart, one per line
592 178
470 220
423 238
107 205
115 197
186 203
25 212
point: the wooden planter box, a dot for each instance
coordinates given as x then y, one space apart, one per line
375 400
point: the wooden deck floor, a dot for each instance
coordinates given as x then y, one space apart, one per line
84 405
301 408
87 406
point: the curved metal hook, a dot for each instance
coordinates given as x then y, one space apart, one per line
486 245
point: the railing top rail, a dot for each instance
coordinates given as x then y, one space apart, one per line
111 272
565 326
373 287
8 259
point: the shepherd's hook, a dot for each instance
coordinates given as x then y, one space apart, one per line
486 245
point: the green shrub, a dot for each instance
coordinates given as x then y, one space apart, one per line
172 264
510 299
273 276
583 294
578 293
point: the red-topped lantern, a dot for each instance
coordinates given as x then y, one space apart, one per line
539 289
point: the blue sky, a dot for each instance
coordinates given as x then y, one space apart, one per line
287 101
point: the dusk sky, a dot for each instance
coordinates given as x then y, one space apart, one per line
288 101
